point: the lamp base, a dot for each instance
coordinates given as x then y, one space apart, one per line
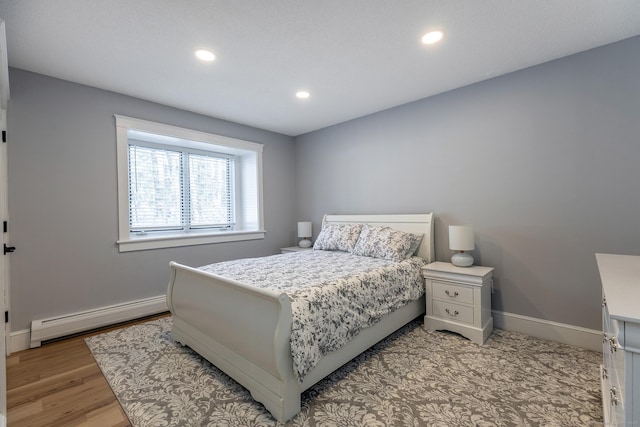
305 243
462 259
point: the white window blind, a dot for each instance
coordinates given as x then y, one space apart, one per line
210 183
174 188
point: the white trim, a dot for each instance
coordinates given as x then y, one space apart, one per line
4 68
188 134
182 240
589 339
19 340
4 268
59 326
567 334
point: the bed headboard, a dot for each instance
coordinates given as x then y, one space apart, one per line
413 223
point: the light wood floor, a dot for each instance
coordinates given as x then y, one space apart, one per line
60 384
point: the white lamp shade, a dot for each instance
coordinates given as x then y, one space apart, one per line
461 238
304 229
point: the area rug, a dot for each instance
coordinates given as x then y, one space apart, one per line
412 378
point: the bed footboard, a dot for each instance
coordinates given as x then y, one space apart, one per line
242 330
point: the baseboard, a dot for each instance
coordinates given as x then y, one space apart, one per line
19 340
60 326
589 339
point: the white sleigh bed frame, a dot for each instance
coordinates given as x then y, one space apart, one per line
245 331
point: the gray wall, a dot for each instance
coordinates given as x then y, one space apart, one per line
63 199
543 162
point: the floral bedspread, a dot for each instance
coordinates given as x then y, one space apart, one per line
334 295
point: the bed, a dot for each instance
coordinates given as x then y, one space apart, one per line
246 331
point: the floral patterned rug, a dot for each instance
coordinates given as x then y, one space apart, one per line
412 378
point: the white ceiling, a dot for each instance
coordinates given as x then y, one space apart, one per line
356 57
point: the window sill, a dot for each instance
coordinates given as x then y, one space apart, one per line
182 239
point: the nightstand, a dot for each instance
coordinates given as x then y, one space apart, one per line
459 300
294 249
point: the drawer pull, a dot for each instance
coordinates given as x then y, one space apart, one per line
614 396
455 313
455 293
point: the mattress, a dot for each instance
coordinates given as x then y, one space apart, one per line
334 294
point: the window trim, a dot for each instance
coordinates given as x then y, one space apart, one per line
249 227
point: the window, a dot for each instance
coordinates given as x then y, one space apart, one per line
179 187
171 189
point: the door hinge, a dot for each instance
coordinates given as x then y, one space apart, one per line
6 317
5 226
4 136
8 249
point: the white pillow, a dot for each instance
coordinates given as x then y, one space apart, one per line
386 243
338 237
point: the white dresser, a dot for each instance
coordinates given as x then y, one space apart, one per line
620 372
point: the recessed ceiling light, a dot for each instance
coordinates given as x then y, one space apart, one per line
432 37
205 55
303 94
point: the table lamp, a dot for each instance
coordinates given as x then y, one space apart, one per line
304 232
461 239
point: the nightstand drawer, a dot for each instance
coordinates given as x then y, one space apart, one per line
455 312
453 293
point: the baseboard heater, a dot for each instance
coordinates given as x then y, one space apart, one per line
60 326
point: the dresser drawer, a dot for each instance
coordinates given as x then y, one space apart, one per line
453 293
612 406
454 312
621 327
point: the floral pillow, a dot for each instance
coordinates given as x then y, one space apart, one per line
338 237
386 243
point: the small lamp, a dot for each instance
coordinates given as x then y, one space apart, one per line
304 231
461 239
